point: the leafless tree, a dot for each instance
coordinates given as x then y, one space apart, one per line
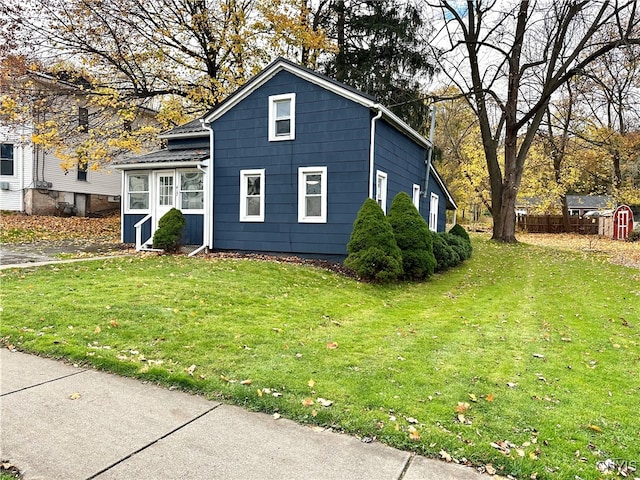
511 58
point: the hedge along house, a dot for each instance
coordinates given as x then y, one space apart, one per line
282 165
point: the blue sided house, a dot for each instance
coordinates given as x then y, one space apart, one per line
282 165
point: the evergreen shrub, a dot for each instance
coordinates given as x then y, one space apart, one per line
461 246
373 252
446 256
169 232
459 230
412 236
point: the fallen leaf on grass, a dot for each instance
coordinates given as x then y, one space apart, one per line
114 324
191 369
324 402
489 469
413 433
246 382
97 329
490 397
311 383
473 397
332 345
445 456
307 402
462 407
595 428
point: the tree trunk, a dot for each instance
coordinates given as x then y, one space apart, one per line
504 218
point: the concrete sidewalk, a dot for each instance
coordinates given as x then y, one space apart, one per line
63 422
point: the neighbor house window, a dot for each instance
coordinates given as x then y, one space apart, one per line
252 195
191 191
82 171
83 119
416 196
433 212
312 194
282 117
138 191
381 190
6 158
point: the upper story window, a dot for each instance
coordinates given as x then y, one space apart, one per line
191 190
312 195
282 117
381 190
252 195
6 159
433 212
83 119
138 191
82 171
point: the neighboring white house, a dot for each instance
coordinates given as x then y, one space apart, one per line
33 181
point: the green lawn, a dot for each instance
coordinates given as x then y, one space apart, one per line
524 358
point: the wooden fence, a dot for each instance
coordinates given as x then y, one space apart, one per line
554 224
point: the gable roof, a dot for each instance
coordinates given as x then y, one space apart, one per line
282 64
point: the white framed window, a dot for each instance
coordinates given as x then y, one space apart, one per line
137 192
191 190
416 196
282 117
312 194
381 190
252 195
6 159
433 212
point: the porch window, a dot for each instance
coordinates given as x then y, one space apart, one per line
282 117
252 195
6 158
312 195
138 191
191 190
433 212
381 190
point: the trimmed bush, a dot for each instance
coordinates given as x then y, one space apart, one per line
459 230
446 256
413 239
169 232
461 246
373 252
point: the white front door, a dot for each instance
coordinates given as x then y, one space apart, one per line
165 198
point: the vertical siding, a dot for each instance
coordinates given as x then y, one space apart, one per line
330 131
193 230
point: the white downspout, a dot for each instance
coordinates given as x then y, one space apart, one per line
207 240
430 152
372 146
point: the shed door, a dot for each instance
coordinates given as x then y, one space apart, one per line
165 195
622 224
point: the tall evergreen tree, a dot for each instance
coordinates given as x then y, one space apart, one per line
382 51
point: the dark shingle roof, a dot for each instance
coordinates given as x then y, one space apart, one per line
166 156
192 127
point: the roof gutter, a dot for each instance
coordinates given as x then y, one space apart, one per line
372 145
